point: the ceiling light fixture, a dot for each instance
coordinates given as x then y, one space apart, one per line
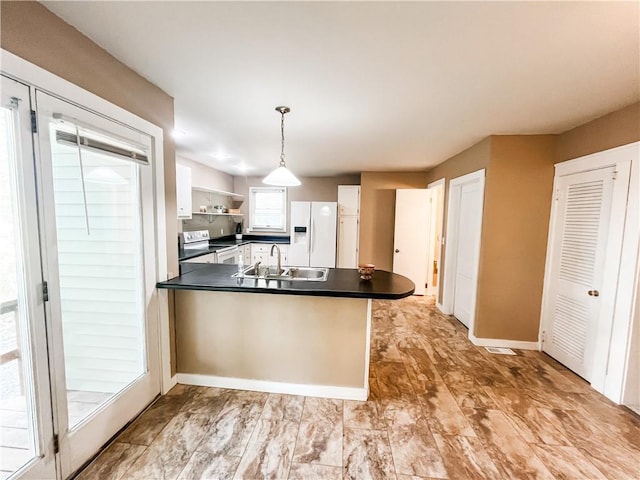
281 176
178 133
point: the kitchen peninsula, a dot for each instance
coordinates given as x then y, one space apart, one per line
298 337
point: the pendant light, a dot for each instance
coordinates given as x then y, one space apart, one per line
281 176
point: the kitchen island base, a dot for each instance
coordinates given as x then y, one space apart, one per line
294 344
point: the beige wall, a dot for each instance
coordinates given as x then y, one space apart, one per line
518 192
313 189
514 236
30 31
204 176
612 130
377 213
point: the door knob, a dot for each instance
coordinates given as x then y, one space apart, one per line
593 293
397 251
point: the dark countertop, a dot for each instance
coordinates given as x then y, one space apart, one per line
216 244
341 282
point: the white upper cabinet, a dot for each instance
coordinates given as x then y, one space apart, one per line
183 191
348 200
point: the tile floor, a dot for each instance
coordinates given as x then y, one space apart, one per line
439 408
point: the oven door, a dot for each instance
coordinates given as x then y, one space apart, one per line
229 255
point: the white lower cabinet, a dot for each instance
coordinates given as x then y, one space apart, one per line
260 252
245 251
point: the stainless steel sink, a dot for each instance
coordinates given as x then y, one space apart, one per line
307 274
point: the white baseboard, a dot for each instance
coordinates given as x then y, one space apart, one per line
169 383
499 342
441 309
324 391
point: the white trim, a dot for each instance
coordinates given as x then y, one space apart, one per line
596 160
437 183
30 314
452 234
500 342
437 208
440 307
23 71
367 347
167 382
172 382
323 391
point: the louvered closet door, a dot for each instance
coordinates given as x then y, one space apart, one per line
580 233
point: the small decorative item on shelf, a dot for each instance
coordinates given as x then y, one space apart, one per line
239 231
366 270
203 209
218 209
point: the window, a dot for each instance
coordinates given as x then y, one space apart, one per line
268 209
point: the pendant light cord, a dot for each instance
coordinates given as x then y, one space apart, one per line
282 162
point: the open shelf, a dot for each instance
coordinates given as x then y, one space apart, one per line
236 197
221 214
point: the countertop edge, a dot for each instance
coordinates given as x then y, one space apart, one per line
285 291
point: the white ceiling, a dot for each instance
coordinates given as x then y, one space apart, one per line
372 86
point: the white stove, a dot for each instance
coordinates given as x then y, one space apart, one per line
198 239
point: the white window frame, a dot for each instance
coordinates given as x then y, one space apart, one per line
252 205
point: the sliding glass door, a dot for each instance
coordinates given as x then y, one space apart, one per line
98 245
26 425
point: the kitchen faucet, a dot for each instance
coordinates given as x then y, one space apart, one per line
279 264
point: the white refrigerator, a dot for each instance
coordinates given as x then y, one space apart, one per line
313 234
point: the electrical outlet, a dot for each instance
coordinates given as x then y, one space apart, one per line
222 231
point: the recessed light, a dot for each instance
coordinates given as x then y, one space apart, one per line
221 156
178 133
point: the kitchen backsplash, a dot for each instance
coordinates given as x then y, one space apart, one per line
218 225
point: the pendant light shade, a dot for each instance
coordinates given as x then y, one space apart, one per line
281 176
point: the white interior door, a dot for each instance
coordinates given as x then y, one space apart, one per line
469 223
26 424
100 265
411 236
580 232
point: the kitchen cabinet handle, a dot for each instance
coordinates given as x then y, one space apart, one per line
593 293
397 251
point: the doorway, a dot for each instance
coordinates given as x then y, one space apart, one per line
82 299
434 259
462 254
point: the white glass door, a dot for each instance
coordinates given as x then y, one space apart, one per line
96 181
26 426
